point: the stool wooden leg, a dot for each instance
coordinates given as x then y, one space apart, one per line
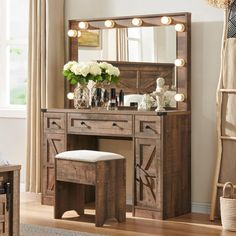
121 193
110 191
68 196
100 193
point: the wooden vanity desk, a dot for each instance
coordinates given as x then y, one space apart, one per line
161 148
160 162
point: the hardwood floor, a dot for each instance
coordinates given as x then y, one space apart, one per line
32 212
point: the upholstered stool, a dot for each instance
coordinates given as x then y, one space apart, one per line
74 170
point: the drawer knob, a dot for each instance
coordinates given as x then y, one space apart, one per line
116 125
84 124
55 123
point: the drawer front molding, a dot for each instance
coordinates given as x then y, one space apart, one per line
147 126
54 122
100 124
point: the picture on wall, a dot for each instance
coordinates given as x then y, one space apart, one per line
90 38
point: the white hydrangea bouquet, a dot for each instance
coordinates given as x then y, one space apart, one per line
83 72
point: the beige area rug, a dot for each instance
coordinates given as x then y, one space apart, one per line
35 230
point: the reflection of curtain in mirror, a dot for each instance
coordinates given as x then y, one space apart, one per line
122 45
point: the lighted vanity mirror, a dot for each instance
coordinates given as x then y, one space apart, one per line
136 44
144 48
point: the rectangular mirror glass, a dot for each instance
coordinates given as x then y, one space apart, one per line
144 47
137 44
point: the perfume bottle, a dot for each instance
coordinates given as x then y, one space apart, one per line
98 98
121 98
106 98
112 103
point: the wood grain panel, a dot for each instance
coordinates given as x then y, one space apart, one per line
100 124
76 172
148 171
147 126
54 122
53 144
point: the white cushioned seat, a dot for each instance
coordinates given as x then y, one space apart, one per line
88 156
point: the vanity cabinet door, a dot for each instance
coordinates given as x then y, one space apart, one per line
147 175
53 144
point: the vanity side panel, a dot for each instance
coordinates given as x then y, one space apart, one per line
176 165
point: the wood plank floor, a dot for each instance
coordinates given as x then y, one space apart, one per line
32 212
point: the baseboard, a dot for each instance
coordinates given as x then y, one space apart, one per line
197 207
204 208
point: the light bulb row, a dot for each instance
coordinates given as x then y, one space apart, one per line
165 20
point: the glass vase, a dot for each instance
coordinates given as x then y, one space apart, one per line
81 96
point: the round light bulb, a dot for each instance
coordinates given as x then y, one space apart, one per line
179 62
109 23
70 96
83 25
166 20
72 33
179 97
79 34
137 22
180 27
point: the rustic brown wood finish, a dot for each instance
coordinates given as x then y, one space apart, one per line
162 178
161 143
10 220
108 178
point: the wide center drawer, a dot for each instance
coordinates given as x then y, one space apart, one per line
100 124
76 172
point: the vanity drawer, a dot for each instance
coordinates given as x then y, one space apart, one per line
74 171
100 124
147 126
54 122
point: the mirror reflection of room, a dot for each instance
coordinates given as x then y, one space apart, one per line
137 44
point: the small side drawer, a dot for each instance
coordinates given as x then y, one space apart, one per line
100 124
74 171
54 122
147 126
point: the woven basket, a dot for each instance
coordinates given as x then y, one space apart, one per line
228 208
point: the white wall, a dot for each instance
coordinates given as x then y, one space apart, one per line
206 43
12 142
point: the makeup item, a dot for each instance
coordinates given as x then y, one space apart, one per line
98 99
93 103
121 98
105 98
134 104
112 103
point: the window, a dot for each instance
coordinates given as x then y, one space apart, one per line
13 53
134 44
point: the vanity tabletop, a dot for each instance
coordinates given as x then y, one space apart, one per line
117 112
7 168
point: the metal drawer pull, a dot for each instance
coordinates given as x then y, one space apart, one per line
55 123
150 128
116 125
83 123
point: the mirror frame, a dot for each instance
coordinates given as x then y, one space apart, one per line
183 45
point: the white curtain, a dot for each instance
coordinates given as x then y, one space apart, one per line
122 44
45 80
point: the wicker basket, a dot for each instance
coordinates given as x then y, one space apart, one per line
228 208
